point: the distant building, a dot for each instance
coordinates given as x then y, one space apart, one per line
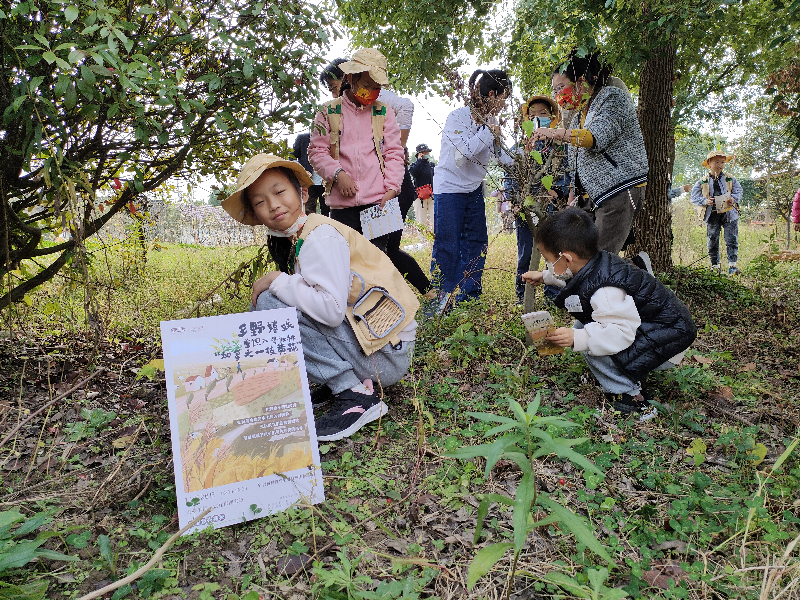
194 383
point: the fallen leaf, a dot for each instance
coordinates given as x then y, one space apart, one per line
289 565
678 545
725 392
14 465
398 545
747 368
703 359
660 574
123 442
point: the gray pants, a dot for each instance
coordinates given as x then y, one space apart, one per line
715 223
609 375
614 218
334 357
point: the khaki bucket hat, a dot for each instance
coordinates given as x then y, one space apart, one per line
546 99
252 170
368 59
714 153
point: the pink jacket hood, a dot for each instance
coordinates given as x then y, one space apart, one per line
357 155
796 208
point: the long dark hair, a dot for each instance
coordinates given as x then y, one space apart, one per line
332 71
589 67
481 82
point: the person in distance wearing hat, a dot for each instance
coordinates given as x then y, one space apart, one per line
724 215
351 334
422 172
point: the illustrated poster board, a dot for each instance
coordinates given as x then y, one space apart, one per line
376 222
241 418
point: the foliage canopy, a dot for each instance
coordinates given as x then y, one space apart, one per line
103 101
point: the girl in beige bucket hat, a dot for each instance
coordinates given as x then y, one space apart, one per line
356 312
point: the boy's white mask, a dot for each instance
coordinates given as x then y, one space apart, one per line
550 277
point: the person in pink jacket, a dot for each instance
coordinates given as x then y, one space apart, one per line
358 181
796 211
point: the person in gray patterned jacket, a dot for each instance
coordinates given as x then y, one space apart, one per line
606 154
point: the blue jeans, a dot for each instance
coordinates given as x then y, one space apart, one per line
459 250
524 252
715 223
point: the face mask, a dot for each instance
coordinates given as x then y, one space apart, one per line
568 98
541 122
557 279
297 226
365 97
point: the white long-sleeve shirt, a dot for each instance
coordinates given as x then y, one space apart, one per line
321 281
615 321
467 148
403 107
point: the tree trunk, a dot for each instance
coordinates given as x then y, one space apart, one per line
654 221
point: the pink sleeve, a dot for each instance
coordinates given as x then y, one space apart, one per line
796 208
393 156
319 149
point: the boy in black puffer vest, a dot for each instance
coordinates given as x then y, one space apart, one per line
627 322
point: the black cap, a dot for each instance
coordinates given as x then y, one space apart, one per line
422 148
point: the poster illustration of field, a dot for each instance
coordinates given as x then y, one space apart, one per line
243 436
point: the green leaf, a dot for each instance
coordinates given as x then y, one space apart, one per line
533 407
537 156
104 544
547 181
527 127
179 21
483 510
49 57
576 525
522 508
567 583
491 452
75 56
28 591
71 13
8 518
484 560
70 97
33 523
562 447
27 47
516 408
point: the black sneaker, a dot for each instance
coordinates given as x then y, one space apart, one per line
321 395
349 413
633 405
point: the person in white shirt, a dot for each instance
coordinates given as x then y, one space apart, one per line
627 323
468 145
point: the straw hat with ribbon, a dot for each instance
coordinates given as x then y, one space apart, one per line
252 170
370 60
714 153
546 99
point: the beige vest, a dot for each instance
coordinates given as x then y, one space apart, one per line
381 303
704 187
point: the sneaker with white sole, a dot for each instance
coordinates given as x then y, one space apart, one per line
633 405
349 413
